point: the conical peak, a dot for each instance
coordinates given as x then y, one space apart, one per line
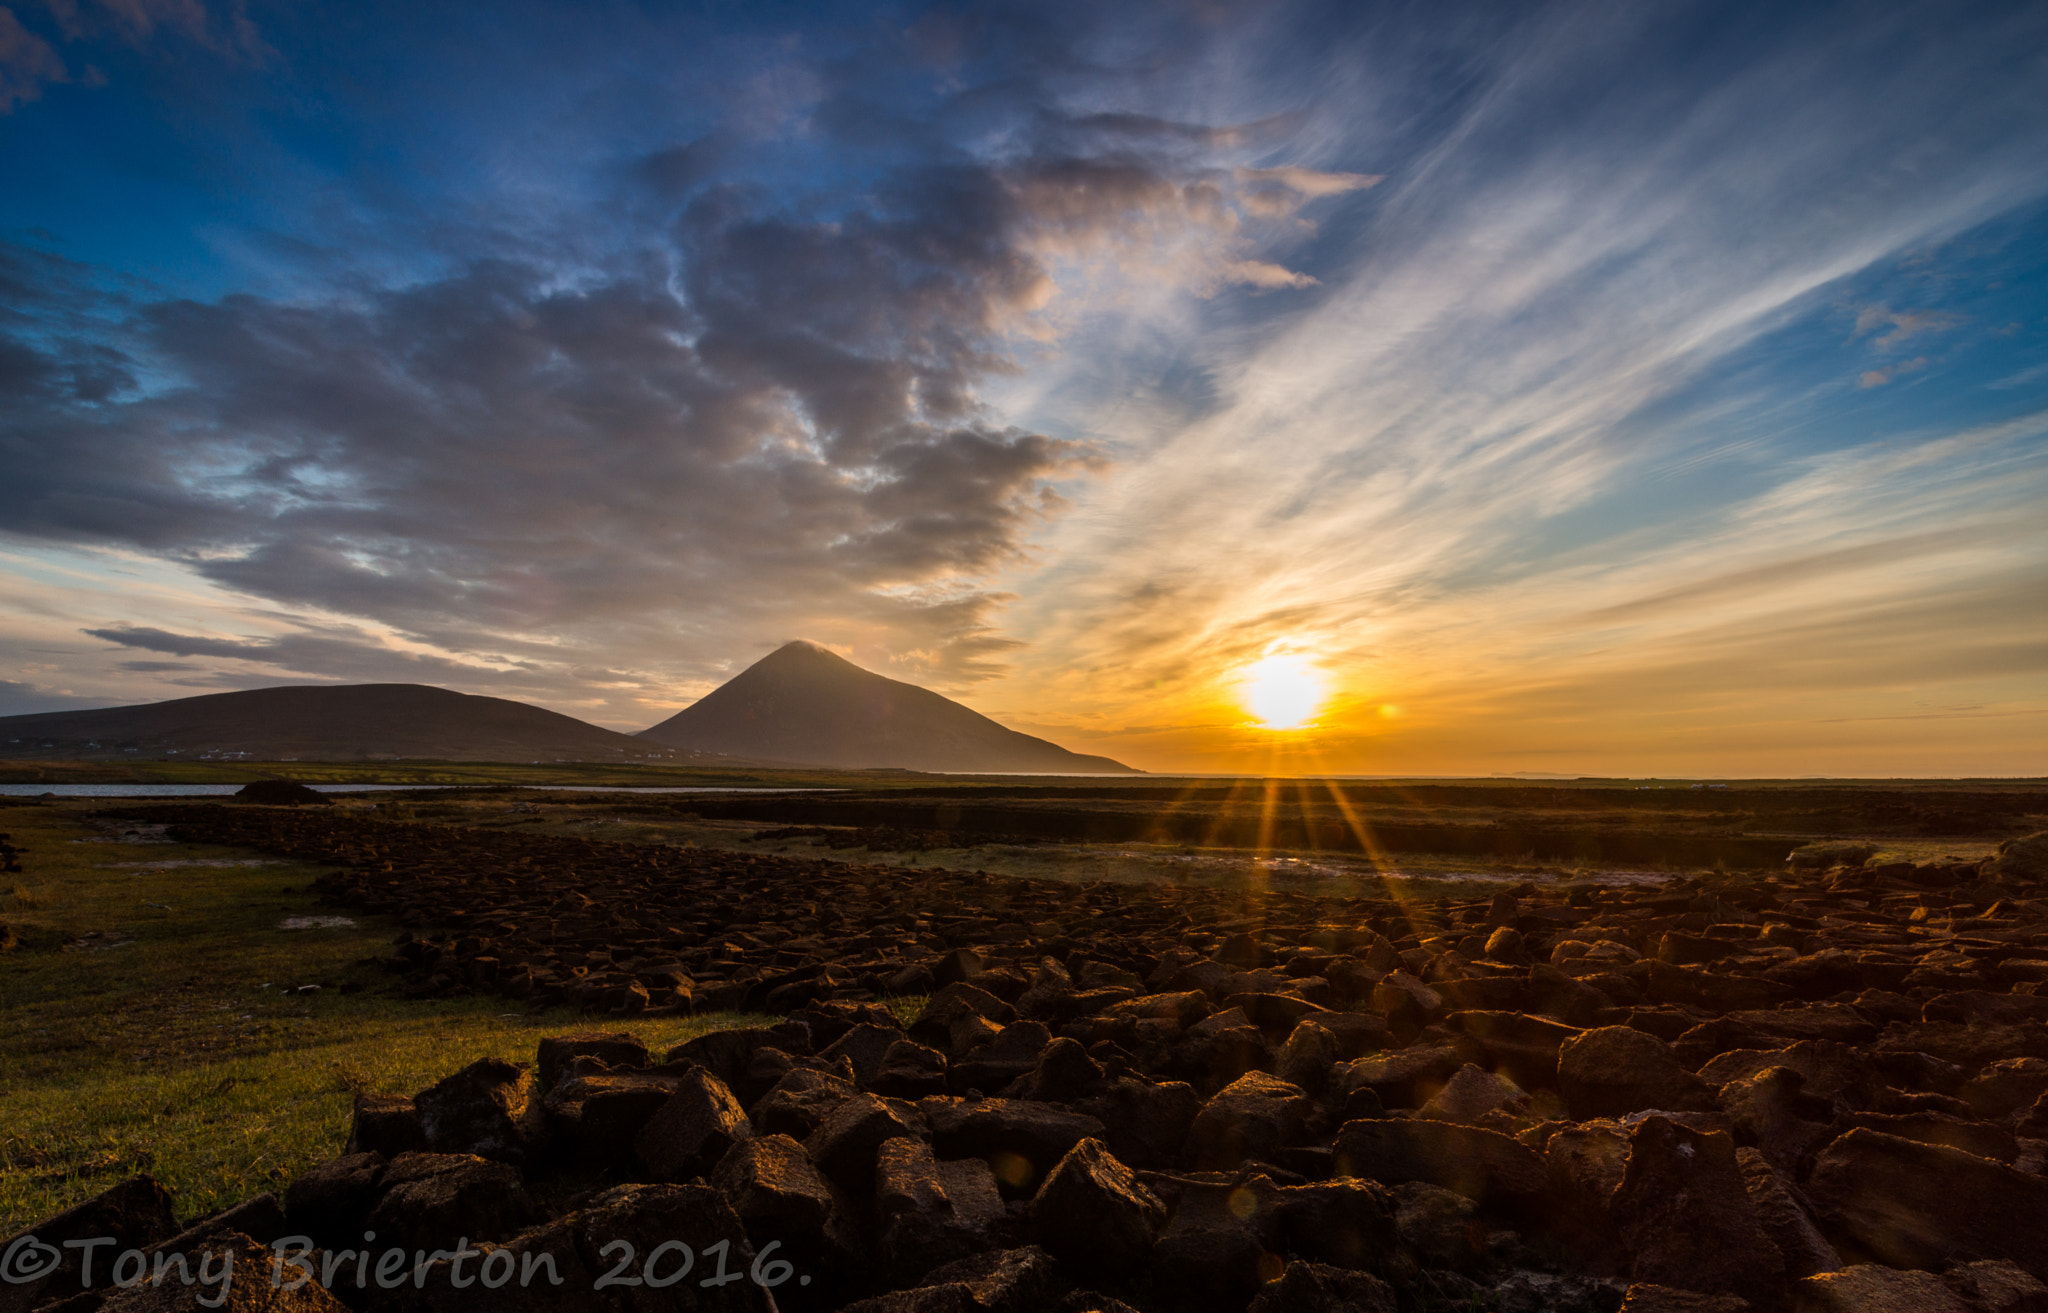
803 651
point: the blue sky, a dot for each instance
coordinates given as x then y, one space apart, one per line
1573 386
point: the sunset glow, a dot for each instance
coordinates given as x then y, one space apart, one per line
1283 692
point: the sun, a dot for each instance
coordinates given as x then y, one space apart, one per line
1283 691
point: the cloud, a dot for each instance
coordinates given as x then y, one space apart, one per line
761 416
1903 324
224 29
1874 378
1485 416
23 699
27 63
336 653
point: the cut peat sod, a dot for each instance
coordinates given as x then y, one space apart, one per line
1820 1089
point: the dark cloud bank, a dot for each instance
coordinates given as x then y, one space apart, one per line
753 414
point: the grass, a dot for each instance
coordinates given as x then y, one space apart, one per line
147 1027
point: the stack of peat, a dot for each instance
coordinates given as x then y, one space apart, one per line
1822 1090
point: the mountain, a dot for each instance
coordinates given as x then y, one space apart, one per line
326 723
801 703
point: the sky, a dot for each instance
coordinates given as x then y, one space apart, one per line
1583 388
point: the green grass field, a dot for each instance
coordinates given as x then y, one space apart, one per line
147 1027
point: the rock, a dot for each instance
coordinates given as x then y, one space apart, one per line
1686 1215
1772 1111
425 1198
1021 1140
1221 1048
1786 1218
1437 1225
1522 1048
1838 1074
695 1128
1010 1056
799 1103
647 1217
1064 1074
909 1070
281 793
614 1049
2003 1088
1480 1164
1357 1033
1308 1056
1345 1222
1912 1205
595 1120
1254 1117
1541 1292
137 1213
1049 996
490 1108
779 1196
1585 1165
865 1046
1183 1008
386 1124
1829 1021
1974 1005
956 1015
1273 1013
1711 990
977 1196
261 1214
1318 1288
1002 1281
1617 1070
1868 1288
1981 1138
772 1182
1406 1003
1470 1094
1094 1215
727 1054
1220 1246
1505 945
920 1228
845 1143
1007 1280
1145 1124
2022 859
1405 1077
1995 1287
1554 994
248 1288
331 1201
1649 1297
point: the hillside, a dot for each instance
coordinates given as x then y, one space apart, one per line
326 723
804 704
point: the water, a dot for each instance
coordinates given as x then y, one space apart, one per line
229 790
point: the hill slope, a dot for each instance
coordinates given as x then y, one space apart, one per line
804 704
329 723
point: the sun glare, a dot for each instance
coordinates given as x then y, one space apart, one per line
1283 691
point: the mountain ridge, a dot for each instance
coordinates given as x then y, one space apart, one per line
805 703
331 722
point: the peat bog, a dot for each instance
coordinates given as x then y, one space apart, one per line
1562 1059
